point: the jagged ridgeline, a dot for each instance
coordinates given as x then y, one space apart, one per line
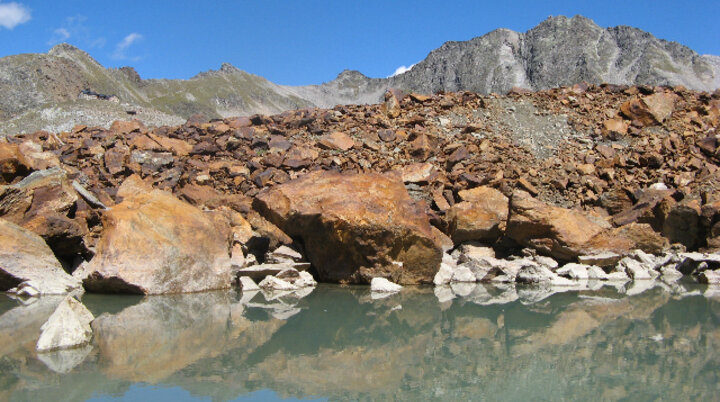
44 91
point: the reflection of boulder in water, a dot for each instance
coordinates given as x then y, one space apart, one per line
20 326
153 339
64 360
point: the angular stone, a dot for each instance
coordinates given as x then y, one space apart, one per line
354 226
481 218
247 284
574 271
558 232
67 327
12 164
336 140
383 285
418 173
25 258
153 243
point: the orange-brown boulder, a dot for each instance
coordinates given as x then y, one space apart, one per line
480 216
355 226
558 232
153 243
650 110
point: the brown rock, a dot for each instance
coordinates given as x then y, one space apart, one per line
12 164
682 225
615 127
650 110
527 186
558 232
336 140
64 236
42 192
418 173
354 227
626 238
481 216
176 146
36 158
126 127
645 210
153 243
458 155
421 147
392 104
387 135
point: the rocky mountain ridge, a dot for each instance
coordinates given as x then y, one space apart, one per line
40 91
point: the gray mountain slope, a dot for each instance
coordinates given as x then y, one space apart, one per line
40 91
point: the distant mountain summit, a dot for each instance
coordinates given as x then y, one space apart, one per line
43 91
560 51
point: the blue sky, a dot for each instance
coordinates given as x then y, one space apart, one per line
309 42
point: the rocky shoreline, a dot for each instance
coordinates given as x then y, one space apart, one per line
587 183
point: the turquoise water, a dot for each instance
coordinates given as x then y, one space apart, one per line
636 342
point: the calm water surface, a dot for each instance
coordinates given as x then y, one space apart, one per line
649 341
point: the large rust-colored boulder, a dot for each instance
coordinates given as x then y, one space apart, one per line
355 226
153 243
24 256
626 238
649 110
558 232
480 216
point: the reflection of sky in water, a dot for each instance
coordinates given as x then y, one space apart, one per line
143 393
635 340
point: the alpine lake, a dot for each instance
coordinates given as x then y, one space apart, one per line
644 340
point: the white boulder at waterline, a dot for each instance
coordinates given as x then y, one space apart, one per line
67 327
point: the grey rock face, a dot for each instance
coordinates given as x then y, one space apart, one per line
560 51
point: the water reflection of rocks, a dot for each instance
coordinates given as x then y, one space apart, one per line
645 339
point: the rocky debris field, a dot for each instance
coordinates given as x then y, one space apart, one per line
608 183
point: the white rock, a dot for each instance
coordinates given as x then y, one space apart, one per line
443 293
64 360
237 257
247 284
644 258
449 260
463 289
597 273
574 271
67 327
534 273
305 280
618 276
384 285
443 275
546 262
658 186
634 269
463 274
272 283
638 287
283 254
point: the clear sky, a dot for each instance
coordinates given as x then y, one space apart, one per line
310 42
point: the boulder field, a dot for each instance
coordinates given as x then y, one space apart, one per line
597 176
